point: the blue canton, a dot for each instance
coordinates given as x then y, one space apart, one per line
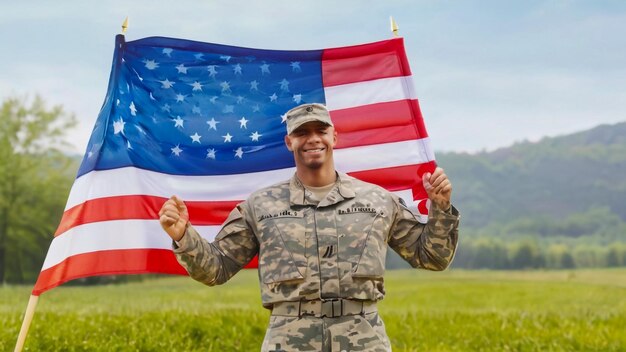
189 108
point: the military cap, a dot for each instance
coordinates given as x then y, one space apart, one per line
304 113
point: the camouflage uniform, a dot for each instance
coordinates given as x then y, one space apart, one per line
321 264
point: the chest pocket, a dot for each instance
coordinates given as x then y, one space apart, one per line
282 248
362 243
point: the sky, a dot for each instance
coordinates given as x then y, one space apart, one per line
487 73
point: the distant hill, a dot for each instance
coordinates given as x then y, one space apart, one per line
571 184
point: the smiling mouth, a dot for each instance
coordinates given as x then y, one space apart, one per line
316 150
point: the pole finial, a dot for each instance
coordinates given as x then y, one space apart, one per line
125 26
394 26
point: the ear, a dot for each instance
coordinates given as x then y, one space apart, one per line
288 143
334 137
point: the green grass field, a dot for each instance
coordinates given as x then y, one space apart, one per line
582 310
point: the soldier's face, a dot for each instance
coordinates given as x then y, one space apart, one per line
312 144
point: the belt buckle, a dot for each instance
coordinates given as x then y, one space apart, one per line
332 308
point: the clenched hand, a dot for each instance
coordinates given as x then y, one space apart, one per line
173 217
438 187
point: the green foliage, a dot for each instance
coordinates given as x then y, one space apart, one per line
560 257
557 203
35 178
599 221
533 187
527 253
489 254
580 310
615 256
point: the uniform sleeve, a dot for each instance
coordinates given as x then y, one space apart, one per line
216 262
429 246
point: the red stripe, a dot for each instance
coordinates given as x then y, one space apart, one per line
379 123
114 262
395 113
418 118
421 206
364 62
380 135
398 178
210 213
140 207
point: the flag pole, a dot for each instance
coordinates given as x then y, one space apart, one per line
28 318
394 26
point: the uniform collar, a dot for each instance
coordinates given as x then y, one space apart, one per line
342 190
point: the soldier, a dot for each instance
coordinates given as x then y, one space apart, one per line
321 239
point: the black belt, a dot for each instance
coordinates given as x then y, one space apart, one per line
330 308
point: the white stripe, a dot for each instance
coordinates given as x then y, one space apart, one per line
133 181
380 156
369 92
112 235
127 234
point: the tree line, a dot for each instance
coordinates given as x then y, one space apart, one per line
487 253
525 254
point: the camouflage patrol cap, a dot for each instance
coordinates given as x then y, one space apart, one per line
304 113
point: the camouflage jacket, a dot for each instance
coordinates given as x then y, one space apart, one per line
334 249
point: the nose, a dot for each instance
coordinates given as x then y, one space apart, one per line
314 137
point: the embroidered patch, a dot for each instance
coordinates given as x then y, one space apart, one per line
284 213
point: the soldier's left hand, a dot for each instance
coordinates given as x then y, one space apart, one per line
438 187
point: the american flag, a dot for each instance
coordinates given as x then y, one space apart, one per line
205 122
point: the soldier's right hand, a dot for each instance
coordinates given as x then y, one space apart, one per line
173 217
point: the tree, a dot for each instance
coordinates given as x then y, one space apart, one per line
559 256
588 256
567 260
489 254
35 177
613 255
526 255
